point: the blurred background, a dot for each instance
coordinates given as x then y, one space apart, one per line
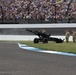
37 11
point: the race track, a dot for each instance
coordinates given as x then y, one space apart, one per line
17 61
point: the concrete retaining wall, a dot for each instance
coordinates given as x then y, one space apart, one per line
25 37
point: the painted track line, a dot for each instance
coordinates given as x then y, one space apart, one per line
23 46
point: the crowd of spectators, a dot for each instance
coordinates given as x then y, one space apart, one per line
36 10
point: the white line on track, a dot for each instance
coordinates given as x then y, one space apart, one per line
23 46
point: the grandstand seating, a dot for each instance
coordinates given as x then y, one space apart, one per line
36 11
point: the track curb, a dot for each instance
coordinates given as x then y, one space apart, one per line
24 46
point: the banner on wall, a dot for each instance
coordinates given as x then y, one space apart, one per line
59 1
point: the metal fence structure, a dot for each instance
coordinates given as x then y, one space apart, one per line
37 21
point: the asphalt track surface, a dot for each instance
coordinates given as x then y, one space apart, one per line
17 61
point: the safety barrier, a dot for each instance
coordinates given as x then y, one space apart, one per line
31 37
60 25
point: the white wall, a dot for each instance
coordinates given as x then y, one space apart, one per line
60 25
25 37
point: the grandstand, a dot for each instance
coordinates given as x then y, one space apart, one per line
37 11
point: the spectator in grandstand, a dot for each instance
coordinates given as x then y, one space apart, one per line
36 9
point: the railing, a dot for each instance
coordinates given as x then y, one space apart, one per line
36 21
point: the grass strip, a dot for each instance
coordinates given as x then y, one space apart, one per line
61 47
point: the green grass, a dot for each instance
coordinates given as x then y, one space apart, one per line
64 47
